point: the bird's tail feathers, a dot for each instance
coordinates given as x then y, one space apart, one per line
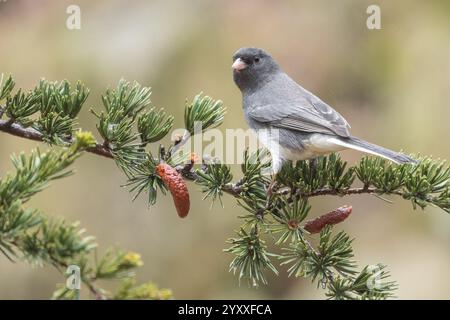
367 147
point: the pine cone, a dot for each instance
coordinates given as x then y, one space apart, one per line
333 217
177 186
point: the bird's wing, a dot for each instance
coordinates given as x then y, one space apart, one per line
303 112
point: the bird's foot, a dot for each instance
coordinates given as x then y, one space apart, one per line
271 189
313 165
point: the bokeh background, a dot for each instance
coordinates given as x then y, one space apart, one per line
392 85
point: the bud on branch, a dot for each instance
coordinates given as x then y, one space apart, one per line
174 181
330 218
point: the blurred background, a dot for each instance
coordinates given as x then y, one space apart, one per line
392 85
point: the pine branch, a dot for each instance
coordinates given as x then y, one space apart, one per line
28 234
102 150
95 291
230 188
17 130
128 123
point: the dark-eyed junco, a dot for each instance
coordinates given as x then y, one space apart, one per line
306 126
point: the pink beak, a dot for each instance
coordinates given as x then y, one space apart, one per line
238 65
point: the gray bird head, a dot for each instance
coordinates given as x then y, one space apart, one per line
252 67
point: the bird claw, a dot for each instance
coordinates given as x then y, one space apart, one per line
271 190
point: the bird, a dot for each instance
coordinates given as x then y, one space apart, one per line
290 121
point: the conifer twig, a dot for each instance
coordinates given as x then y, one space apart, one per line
128 123
230 188
32 134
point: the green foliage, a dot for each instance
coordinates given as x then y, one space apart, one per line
428 183
116 126
127 100
143 179
127 125
251 188
281 216
15 221
54 242
288 219
213 179
333 266
59 104
154 125
333 253
251 257
369 284
21 106
322 172
28 234
117 264
126 106
146 291
60 98
253 181
6 86
56 129
34 173
205 111
424 183
69 101
50 108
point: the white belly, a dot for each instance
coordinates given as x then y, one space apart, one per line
318 144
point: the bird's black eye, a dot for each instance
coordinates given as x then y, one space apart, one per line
257 59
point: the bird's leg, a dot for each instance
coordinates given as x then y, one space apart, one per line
276 167
313 165
271 187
